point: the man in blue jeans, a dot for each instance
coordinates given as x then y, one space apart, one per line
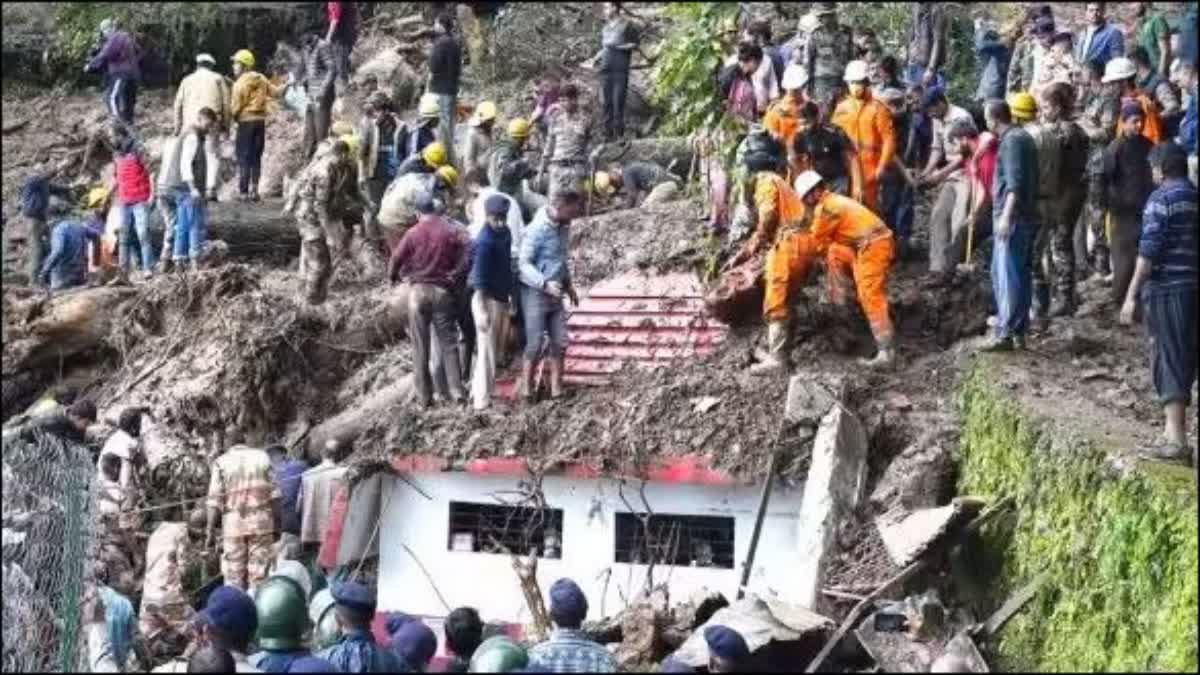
545 279
66 266
191 227
1014 211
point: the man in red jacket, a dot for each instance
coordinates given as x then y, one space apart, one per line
432 259
133 192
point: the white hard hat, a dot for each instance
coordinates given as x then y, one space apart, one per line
810 22
206 58
856 71
794 77
1118 69
805 182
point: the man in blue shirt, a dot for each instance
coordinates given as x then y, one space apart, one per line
1102 41
1168 266
993 52
493 283
355 650
288 473
67 265
1014 212
569 650
545 279
35 202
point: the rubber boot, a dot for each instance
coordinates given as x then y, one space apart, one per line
777 350
1041 301
254 186
556 376
883 358
526 389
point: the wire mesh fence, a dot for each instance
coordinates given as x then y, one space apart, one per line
47 541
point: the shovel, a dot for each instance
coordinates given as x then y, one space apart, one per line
966 266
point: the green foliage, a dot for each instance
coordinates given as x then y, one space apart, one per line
177 26
685 86
1121 552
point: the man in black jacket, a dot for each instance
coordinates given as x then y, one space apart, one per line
445 69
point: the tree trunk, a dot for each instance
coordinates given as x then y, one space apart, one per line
661 151
349 424
61 326
254 231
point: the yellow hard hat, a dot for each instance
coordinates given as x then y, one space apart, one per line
1022 104
244 57
486 112
341 128
97 196
603 183
434 154
428 107
351 141
448 174
518 128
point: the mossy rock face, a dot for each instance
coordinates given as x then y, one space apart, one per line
1119 546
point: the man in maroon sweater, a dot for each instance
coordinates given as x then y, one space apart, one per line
432 259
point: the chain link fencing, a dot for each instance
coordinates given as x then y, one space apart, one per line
47 542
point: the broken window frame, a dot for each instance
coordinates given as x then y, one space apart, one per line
671 539
506 529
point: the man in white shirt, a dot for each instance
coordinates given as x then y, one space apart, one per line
944 168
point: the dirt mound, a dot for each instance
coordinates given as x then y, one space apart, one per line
660 238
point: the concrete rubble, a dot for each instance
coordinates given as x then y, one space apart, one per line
761 621
908 536
835 484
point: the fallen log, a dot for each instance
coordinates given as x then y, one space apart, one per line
352 422
661 151
254 230
62 325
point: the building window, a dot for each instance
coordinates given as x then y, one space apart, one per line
689 541
503 529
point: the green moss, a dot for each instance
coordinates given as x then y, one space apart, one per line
1121 552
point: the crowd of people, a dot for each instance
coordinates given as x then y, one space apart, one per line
1072 158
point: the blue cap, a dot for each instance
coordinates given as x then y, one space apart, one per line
1130 107
231 611
395 622
423 201
354 595
311 664
726 643
415 643
568 605
496 205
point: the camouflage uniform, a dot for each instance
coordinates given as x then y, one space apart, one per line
242 488
1020 66
1100 113
326 190
566 152
1049 139
114 534
826 54
166 612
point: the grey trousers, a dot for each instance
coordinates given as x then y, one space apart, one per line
431 312
947 224
37 239
447 104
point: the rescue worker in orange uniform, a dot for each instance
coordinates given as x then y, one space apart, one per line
869 125
858 249
783 116
1120 78
776 206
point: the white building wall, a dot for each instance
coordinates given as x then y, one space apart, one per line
488 583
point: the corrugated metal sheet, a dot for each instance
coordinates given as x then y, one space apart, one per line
648 321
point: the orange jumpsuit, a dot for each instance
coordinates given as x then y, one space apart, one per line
1152 129
780 218
869 125
859 250
783 121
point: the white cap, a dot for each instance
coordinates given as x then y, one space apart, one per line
1118 69
856 71
805 182
794 77
206 58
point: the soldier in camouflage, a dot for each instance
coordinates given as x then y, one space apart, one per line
826 53
567 142
166 610
1099 121
1061 190
327 191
